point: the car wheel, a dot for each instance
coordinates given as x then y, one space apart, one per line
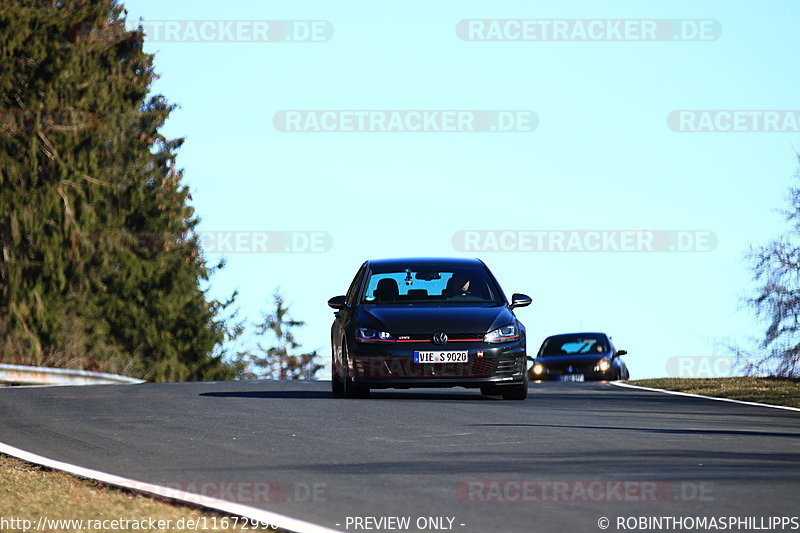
349 389
516 392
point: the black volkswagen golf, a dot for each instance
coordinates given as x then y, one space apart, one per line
579 357
427 322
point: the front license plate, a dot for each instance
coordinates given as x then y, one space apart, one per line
441 357
571 377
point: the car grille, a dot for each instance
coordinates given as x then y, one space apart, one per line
508 365
405 368
561 368
451 337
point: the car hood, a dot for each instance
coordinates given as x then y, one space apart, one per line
430 319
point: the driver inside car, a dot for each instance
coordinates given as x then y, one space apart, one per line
458 286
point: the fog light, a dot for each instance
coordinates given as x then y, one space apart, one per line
603 366
538 369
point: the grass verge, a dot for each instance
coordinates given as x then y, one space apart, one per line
777 391
28 492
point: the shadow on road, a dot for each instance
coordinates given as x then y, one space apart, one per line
288 394
679 464
374 395
657 430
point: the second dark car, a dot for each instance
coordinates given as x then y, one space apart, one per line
579 357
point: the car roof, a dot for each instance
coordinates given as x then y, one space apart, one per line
403 262
578 333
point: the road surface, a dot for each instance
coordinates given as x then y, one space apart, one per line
443 459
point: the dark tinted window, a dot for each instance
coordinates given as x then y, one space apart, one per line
431 284
586 343
351 292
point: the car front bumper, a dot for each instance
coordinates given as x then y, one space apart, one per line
392 365
557 375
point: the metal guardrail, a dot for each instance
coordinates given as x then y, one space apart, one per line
38 375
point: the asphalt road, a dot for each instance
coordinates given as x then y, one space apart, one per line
569 455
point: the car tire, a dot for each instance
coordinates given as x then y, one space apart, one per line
349 389
516 392
337 386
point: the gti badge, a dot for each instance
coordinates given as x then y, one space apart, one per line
440 337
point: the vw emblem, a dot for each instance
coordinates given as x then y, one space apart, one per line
570 369
440 337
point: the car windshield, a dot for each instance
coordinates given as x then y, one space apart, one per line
434 285
574 345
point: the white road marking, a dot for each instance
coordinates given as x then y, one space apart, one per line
261 515
676 393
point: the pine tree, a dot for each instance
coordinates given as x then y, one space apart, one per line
277 359
97 247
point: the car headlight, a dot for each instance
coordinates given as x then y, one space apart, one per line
538 369
373 335
603 365
505 334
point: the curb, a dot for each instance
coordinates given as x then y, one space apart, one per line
690 395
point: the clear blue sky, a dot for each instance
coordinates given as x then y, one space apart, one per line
602 156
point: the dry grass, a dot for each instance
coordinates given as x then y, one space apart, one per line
29 492
776 391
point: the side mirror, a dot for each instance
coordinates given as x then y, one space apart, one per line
620 352
519 300
531 358
337 302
